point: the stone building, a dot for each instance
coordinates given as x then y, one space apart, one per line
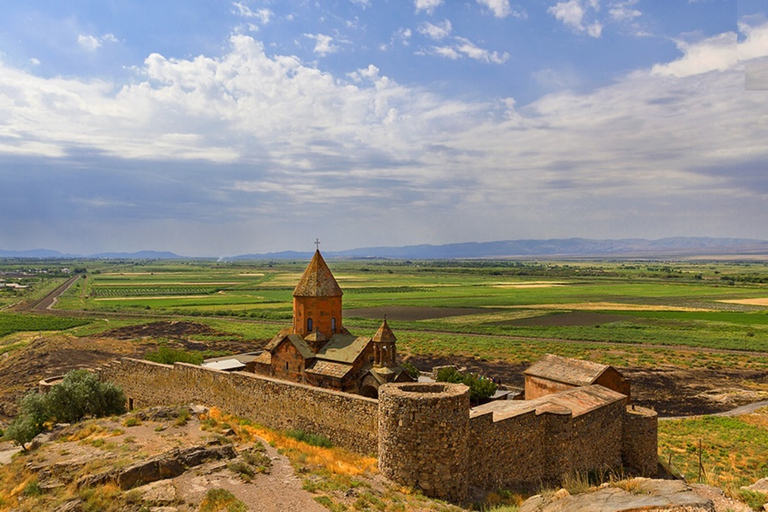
318 349
553 374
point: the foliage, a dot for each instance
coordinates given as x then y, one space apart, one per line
81 394
754 499
221 500
311 439
13 322
22 430
480 388
411 370
167 355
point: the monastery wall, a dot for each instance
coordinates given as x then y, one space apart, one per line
348 420
424 433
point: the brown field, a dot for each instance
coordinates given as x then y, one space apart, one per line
411 313
568 319
748 302
605 306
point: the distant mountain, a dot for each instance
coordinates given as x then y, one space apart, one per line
35 253
141 255
676 247
570 247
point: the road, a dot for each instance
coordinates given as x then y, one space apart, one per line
47 302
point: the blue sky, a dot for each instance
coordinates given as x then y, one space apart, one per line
214 128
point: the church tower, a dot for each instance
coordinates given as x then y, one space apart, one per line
317 303
384 355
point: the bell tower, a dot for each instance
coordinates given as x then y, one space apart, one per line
384 354
317 301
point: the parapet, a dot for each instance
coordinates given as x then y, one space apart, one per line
423 437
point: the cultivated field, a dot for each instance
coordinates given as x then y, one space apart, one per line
692 336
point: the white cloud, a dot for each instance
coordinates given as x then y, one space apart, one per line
436 31
674 149
463 47
499 8
34 61
93 43
263 15
573 14
716 53
362 3
323 44
624 11
427 5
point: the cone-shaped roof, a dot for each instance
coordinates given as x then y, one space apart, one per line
384 334
317 281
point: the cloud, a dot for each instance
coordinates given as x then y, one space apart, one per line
93 43
502 8
624 11
253 146
427 5
716 53
573 13
263 15
436 31
323 44
463 47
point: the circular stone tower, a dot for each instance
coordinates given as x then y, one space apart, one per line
423 434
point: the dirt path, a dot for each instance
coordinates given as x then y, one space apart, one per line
47 302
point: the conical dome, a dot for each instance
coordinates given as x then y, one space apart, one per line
384 334
317 281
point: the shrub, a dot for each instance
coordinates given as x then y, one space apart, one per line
166 355
411 370
221 499
311 439
22 431
81 393
480 388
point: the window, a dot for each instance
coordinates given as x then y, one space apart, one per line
309 324
286 365
333 324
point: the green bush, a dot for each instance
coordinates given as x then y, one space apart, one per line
480 388
80 394
166 355
311 439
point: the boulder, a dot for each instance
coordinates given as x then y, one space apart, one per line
643 494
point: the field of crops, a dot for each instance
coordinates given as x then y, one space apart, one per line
10 323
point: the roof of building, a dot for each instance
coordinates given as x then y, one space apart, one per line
317 280
343 348
226 365
384 334
574 401
567 370
329 368
297 341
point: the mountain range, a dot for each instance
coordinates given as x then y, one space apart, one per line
525 249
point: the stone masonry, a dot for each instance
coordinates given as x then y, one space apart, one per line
425 434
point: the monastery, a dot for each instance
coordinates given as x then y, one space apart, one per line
318 349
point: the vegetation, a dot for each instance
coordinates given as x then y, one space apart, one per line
14 322
80 394
167 355
310 439
221 500
480 388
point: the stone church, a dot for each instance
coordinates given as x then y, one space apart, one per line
318 349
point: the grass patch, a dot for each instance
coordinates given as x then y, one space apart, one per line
311 439
221 500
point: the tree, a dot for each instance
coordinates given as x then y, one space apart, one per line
22 430
80 394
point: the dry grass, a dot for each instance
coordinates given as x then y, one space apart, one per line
606 306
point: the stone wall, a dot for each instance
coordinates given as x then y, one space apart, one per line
640 441
423 435
348 420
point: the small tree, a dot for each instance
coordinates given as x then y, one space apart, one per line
22 430
80 394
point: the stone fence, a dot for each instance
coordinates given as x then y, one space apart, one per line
425 434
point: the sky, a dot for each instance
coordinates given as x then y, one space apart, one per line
218 128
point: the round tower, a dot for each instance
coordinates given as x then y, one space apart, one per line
423 437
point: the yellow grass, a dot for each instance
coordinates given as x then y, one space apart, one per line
172 283
252 275
748 302
336 460
603 306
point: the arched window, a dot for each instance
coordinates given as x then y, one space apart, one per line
333 324
309 325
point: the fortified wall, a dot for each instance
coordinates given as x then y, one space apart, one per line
425 434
